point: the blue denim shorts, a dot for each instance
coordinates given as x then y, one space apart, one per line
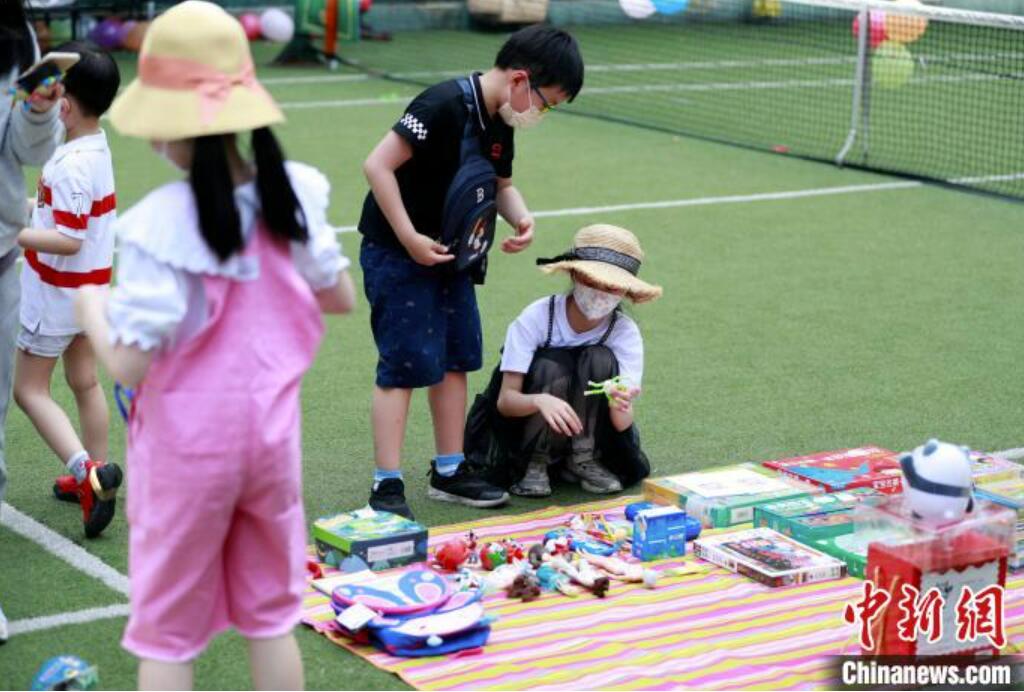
425 320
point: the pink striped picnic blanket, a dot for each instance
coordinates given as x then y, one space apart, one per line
712 630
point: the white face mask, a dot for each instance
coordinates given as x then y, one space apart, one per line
520 120
594 304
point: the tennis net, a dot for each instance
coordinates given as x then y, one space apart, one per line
894 86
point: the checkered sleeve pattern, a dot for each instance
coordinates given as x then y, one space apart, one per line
414 127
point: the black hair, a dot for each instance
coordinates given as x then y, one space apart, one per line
550 55
16 46
214 193
93 81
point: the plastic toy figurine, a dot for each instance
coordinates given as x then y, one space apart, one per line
617 383
514 551
492 555
525 586
553 580
622 570
452 555
937 481
582 574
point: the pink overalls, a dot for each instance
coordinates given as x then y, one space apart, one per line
217 529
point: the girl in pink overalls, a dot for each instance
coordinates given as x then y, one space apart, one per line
215 318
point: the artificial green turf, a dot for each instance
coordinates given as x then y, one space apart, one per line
786 327
38 583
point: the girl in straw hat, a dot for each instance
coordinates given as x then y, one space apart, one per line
556 349
216 317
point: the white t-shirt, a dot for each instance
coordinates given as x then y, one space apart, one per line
530 331
159 299
75 196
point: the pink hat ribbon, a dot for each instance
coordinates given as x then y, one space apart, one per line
212 85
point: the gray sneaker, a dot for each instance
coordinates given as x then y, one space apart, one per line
535 483
594 478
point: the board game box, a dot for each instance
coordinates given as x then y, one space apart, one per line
814 517
843 469
725 496
1008 493
768 557
986 468
381 539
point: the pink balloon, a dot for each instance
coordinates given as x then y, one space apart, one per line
876 27
251 23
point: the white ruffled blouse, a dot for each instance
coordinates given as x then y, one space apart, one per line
159 298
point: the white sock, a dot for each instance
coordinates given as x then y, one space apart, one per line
76 465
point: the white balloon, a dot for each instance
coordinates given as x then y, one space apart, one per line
277 25
637 9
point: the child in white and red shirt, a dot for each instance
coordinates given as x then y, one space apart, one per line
70 244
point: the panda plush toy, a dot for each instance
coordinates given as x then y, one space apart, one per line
937 481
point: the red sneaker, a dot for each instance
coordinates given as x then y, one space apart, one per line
65 489
98 496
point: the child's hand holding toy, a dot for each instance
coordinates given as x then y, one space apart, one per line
618 390
45 97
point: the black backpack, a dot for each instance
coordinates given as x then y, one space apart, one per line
470 209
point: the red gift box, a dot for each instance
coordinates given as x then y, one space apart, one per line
942 580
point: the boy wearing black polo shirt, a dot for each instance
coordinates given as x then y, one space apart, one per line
424 314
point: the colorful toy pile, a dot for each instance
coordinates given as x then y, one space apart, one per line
587 555
923 529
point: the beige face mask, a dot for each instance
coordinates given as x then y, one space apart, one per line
520 119
594 304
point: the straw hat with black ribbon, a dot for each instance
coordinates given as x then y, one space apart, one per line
196 77
608 257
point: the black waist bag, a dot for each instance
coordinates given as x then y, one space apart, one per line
470 210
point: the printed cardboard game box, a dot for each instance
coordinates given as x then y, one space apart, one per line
815 517
768 557
843 469
725 496
381 539
1010 494
986 468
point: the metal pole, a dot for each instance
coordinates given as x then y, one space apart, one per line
859 83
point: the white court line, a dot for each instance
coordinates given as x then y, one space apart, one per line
660 88
1015 453
344 103
652 67
727 199
62 548
76 617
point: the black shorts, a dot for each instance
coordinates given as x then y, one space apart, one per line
425 320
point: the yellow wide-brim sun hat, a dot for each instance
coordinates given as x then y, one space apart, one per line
196 78
608 257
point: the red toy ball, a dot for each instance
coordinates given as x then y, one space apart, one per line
250 21
451 555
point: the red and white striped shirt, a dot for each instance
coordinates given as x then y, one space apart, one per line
76 197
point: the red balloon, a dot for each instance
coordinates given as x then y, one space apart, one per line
251 23
876 27
364 5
